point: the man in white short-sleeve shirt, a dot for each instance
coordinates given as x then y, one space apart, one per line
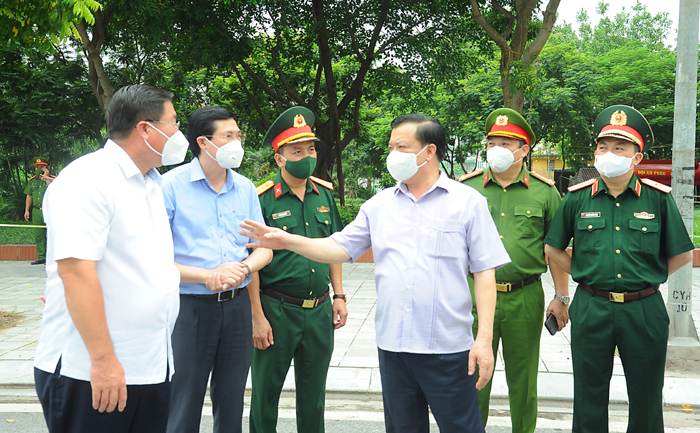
112 285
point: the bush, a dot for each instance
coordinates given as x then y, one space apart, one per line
350 210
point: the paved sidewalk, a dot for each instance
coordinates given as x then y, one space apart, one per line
354 365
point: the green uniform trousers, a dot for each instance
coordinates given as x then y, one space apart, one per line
517 323
639 329
39 234
305 335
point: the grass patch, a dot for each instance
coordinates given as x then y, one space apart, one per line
696 226
16 235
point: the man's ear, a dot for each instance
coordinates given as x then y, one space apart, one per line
202 141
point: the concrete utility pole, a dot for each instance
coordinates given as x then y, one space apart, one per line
683 344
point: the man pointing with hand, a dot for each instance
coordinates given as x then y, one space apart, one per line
425 233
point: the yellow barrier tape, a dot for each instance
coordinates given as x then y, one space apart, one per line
23 225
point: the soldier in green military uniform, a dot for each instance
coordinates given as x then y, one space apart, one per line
628 238
522 204
296 317
36 187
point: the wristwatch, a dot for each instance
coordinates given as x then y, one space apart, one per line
563 299
341 297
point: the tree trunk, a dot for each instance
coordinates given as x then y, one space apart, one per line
97 76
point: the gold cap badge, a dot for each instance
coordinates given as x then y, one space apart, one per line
502 120
299 121
618 118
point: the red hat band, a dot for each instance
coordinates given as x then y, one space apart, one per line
292 133
622 131
40 162
510 130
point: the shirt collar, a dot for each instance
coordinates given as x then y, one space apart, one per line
523 177
285 188
197 173
442 182
634 185
125 162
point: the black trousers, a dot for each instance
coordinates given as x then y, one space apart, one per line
67 405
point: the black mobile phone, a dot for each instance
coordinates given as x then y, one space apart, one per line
551 324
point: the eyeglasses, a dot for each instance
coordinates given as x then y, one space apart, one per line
230 136
169 123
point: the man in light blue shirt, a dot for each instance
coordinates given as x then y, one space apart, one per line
425 234
205 201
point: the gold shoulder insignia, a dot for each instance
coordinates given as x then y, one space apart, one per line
265 186
544 179
322 182
469 175
582 185
656 185
33 177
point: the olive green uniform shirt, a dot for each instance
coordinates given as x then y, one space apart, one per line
523 212
36 188
316 217
623 243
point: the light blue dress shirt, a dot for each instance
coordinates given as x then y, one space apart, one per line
422 250
205 223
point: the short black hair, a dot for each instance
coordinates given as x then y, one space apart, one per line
132 104
428 130
201 122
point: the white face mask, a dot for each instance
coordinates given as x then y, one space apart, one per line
500 159
612 165
175 148
230 155
403 165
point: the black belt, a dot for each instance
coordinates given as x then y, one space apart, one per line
219 296
303 303
621 296
509 287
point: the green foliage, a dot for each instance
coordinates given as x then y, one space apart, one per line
350 210
16 235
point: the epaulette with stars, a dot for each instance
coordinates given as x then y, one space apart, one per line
589 182
265 186
544 179
469 175
656 185
322 182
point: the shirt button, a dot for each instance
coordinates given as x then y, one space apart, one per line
313 271
502 214
417 205
617 251
528 212
501 236
619 275
644 229
307 223
590 226
504 190
284 227
326 222
617 204
617 228
221 236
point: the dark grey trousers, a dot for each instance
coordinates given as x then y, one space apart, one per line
217 338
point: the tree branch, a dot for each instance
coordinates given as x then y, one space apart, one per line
509 16
535 47
262 84
354 43
263 121
488 28
317 85
275 64
355 130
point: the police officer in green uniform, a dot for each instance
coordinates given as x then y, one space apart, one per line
297 313
522 204
628 238
36 187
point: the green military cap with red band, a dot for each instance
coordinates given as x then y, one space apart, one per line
292 126
40 161
623 121
506 122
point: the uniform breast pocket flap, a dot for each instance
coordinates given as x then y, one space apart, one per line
528 211
287 224
644 226
590 224
324 219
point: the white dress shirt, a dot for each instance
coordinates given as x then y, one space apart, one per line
422 251
101 208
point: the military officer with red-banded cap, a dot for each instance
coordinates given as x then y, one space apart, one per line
297 313
629 237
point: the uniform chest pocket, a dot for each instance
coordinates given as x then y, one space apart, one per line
446 239
645 236
324 223
590 234
529 221
288 224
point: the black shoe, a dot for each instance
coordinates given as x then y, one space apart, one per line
39 262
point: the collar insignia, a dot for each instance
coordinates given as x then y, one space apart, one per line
618 118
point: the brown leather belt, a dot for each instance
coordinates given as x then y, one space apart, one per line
509 287
621 296
303 303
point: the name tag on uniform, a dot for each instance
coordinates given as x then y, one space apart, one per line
590 214
279 215
323 209
644 215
